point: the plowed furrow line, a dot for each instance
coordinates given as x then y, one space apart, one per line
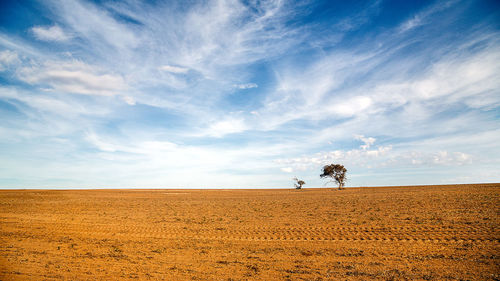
303 230
339 234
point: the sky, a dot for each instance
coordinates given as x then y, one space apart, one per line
248 94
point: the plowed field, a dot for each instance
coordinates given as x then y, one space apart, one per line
384 233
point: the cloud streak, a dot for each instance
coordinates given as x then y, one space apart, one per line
8 59
52 33
246 86
174 69
72 77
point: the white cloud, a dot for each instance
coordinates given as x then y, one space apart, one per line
353 106
174 69
208 36
52 33
189 60
318 91
129 100
202 40
429 158
368 141
447 158
313 92
287 169
73 77
472 81
7 59
101 145
411 23
379 156
170 162
225 127
362 156
45 105
147 148
246 86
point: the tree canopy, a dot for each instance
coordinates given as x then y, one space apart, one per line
336 172
298 183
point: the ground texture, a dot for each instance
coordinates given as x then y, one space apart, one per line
384 233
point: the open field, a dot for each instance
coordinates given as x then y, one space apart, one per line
385 233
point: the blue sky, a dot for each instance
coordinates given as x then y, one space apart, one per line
230 94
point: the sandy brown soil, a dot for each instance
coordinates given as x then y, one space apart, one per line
385 233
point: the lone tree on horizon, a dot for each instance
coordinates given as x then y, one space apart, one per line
298 183
335 171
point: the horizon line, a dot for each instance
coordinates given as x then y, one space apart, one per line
244 188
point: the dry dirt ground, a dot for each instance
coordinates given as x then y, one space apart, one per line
384 233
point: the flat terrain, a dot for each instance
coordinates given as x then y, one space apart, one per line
384 233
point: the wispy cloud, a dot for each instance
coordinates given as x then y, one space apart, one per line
369 141
50 33
72 77
7 59
246 86
95 26
424 17
378 157
225 127
361 18
321 91
174 69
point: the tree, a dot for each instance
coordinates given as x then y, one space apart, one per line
298 183
335 171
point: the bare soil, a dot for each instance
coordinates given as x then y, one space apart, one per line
383 233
